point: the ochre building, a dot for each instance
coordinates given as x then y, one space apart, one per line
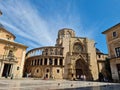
70 58
101 63
12 55
113 43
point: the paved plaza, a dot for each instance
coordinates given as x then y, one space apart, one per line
29 84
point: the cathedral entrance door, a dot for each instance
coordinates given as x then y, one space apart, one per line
79 72
80 68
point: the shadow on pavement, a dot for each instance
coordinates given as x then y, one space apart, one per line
105 87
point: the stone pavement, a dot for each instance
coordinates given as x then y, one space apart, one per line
28 84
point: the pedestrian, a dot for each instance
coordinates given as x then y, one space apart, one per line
101 77
81 77
11 76
78 77
84 77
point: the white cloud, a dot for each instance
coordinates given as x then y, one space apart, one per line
25 21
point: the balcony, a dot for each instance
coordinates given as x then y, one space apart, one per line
7 58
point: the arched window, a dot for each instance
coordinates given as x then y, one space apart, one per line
56 61
45 61
47 70
41 61
50 61
35 62
61 61
46 51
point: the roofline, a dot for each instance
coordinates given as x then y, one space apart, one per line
66 29
14 43
104 32
8 32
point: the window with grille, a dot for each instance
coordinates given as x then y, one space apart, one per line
117 50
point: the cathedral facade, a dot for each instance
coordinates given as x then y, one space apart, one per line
70 58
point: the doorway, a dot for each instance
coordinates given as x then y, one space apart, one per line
79 68
46 75
79 72
118 68
6 70
82 68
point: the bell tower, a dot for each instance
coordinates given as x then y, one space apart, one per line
63 35
64 38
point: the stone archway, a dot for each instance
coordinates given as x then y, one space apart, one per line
79 69
82 68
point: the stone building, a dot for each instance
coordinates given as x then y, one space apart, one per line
101 62
12 55
113 43
70 58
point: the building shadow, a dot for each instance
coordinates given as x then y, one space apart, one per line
103 87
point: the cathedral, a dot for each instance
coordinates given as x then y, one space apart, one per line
70 58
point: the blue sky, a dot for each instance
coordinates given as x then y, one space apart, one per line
36 22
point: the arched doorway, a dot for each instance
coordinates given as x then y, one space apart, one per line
79 72
79 69
82 68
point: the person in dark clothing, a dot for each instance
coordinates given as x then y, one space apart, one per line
101 77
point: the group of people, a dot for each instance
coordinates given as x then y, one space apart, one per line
82 77
102 78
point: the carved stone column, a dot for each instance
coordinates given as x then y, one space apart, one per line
58 62
53 61
48 61
43 61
